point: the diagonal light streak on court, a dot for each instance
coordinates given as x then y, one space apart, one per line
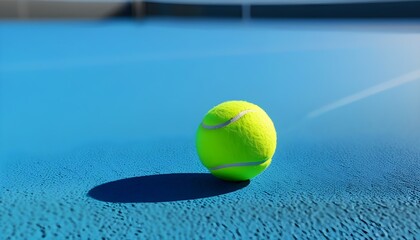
395 82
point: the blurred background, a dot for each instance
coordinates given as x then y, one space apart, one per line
291 56
35 9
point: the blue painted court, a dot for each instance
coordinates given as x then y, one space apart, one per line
98 122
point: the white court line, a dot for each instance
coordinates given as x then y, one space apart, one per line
100 61
395 82
126 59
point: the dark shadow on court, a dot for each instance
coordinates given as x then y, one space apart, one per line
164 188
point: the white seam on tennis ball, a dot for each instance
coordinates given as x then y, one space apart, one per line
243 164
232 120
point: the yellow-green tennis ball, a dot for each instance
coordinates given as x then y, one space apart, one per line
236 140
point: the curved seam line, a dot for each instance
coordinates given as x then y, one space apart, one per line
232 120
244 164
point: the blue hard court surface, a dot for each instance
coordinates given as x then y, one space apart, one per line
97 125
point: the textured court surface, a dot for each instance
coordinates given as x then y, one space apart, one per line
98 141
333 190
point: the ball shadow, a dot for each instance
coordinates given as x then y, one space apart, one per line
163 188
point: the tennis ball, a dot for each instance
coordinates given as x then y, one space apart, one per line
236 140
